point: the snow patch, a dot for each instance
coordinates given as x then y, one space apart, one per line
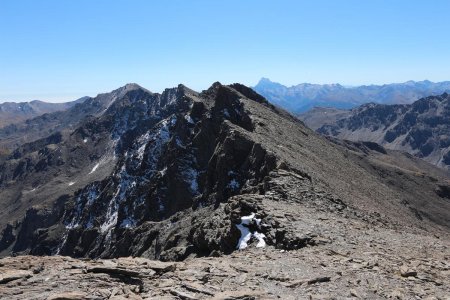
163 171
189 119
71 183
127 183
110 222
83 202
94 168
85 141
246 235
128 223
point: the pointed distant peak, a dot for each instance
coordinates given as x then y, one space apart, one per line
265 80
267 83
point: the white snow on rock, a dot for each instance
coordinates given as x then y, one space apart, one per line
163 171
94 168
85 141
128 223
246 235
83 201
189 119
260 237
71 183
126 183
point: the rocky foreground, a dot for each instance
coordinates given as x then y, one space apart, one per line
345 258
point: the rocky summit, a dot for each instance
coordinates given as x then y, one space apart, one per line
215 195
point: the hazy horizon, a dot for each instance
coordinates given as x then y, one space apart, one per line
58 51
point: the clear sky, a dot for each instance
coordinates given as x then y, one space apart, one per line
58 50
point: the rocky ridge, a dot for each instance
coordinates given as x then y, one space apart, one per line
170 176
421 128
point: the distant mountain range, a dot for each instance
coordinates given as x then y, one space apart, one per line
16 112
421 128
305 96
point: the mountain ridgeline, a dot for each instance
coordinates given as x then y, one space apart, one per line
421 128
303 97
14 112
170 175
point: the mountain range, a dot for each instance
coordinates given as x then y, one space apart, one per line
421 128
303 97
15 112
251 201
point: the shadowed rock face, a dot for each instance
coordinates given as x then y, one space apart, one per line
170 175
422 128
159 155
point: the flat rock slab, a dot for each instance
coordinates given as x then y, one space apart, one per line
68 296
11 275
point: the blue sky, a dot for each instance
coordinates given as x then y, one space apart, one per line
58 50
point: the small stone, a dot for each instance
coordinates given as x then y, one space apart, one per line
405 271
353 293
319 280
